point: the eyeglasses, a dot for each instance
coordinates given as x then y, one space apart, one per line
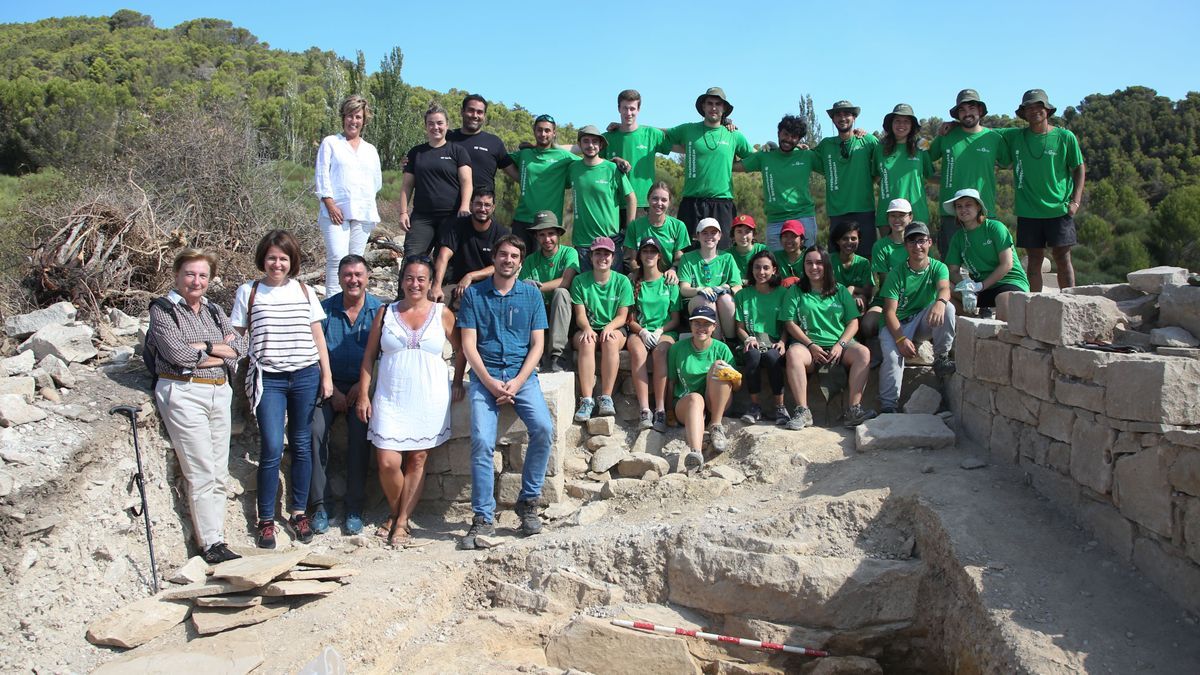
919 241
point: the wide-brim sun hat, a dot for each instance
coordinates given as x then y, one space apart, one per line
844 105
1035 96
967 96
546 220
903 110
592 130
948 205
719 93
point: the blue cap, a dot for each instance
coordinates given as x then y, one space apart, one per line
704 313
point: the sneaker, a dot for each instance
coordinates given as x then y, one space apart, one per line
646 419
586 406
856 415
558 364
480 527
266 534
693 461
753 415
218 553
301 528
605 406
660 421
801 418
531 522
718 439
943 365
781 414
320 521
353 524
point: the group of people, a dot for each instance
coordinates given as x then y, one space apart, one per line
691 297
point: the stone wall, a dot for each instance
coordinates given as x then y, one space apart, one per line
1112 439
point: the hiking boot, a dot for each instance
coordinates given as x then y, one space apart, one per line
753 415
353 524
480 527
943 365
266 534
605 406
802 417
646 419
660 421
531 522
718 439
586 406
781 414
301 528
693 461
320 521
856 415
218 553
558 364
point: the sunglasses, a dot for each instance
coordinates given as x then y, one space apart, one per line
545 118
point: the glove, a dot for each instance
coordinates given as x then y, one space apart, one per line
649 338
708 294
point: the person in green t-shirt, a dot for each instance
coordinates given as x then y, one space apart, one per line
1048 178
541 174
785 181
551 268
901 164
602 299
916 303
889 252
708 277
851 269
968 153
598 190
791 257
638 145
744 247
845 161
985 248
670 232
698 367
760 332
653 323
822 319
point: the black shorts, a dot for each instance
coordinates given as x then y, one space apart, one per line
694 209
987 297
1045 232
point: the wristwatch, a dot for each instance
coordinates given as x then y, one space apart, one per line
842 343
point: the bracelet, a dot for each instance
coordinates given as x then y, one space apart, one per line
900 339
810 344
943 301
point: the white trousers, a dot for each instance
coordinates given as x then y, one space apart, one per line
341 240
197 419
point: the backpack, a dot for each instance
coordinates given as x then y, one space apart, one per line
150 351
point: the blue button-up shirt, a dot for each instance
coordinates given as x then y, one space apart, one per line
503 323
347 341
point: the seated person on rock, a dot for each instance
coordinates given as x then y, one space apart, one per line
465 250
709 277
551 267
791 257
986 250
886 255
654 323
744 247
851 269
695 367
602 299
760 333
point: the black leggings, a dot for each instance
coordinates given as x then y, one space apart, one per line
424 232
754 360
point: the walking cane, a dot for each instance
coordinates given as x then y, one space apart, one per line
131 412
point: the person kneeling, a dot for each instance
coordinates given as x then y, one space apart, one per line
695 366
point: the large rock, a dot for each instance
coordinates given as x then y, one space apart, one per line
21 386
1091 458
257 570
1153 280
992 361
1159 389
192 572
24 325
1180 306
842 665
596 646
925 400
890 432
72 343
1031 371
228 656
211 620
58 370
1173 336
1142 490
576 590
1114 292
635 465
138 623
1062 319
607 456
17 365
204 589
1185 474
15 411
287 589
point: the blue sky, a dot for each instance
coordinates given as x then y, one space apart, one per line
571 59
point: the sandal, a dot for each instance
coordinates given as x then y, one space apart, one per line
399 537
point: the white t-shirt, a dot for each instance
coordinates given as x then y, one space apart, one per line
281 338
351 177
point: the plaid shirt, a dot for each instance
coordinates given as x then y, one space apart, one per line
176 355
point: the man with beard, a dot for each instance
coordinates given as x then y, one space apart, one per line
785 182
845 161
466 250
503 324
541 172
552 268
486 150
968 153
600 194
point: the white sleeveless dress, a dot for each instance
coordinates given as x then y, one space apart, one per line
411 407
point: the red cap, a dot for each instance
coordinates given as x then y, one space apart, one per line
743 219
794 226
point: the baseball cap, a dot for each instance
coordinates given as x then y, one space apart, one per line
704 313
794 226
651 241
900 205
916 227
706 223
744 219
603 244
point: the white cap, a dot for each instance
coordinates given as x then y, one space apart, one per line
900 205
706 223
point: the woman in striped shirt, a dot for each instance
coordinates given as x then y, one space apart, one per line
289 372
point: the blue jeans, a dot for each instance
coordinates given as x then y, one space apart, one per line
810 233
531 407
290 397
356 455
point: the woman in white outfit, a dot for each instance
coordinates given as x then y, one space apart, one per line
410 411
347 178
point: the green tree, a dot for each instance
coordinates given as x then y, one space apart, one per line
1175 232
396 126
809 113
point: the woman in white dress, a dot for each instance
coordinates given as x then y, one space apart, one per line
410 411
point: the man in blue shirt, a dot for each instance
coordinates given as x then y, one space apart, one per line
348 319
503 326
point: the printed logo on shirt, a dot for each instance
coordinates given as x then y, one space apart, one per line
983 149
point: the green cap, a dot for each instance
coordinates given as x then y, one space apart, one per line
967 96
1035 96
903 110
719 93
844 105
545 220
592 130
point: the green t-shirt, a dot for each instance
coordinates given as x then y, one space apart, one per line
689 367
822 318
543 181
856 274
902 177
785 183
788 268
914 291
708 158
654 302
1042 166
743 261
699 273
886 254
542 269
601 300
672 234
848 184
969 161
979 250
638 147
597 195
761 312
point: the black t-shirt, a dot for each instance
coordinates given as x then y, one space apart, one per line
472 249
487 154
435 172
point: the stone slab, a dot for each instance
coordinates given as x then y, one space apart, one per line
204 655
204 589
890 432
14 411
635 465
259 570
1153 279
1153 389
925 400
1142 490
24 325
1062 319
1180 306
596 646
194 571
321 560
1114 292
992 361
137 623
1031 371
230 601
282 589
211 620
1173 336
305 575
606 457
72 344
20 364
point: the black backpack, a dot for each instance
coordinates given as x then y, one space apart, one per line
149 351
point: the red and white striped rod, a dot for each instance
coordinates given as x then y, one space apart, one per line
713 637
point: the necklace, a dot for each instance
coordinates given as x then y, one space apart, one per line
708 142
1045 141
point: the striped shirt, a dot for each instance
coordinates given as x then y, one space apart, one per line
176 355
281 339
